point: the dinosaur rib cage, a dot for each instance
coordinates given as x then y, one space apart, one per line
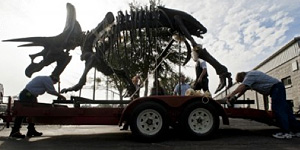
133 37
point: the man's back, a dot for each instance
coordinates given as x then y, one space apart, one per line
40 84
259 81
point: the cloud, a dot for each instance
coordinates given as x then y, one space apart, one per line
241 33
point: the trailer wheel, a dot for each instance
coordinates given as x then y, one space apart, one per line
149 122
199 121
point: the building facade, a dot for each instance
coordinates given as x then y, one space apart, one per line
283 65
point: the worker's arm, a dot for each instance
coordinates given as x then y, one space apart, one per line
51 90
203 73
240 90
55 93
58 95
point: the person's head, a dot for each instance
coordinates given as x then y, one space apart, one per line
196 51
240 76
135 79
182 78
55 79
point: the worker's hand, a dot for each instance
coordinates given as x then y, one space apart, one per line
64 91
60 97
233 99
230 100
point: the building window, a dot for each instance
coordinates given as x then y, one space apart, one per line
287 81
295 65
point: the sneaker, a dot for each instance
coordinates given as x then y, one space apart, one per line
297 134
281 135
32 133
125 127
17 135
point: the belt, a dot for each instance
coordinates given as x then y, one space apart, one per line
28 93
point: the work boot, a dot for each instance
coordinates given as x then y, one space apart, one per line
33 132
17 134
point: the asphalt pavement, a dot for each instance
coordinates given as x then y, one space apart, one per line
240 134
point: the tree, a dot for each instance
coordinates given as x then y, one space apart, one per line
136 50
170 80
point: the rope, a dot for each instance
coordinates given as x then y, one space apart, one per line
109 65
105 33
152 71
100 36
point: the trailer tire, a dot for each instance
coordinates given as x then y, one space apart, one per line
199 121
149 122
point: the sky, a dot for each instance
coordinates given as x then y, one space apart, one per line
241 33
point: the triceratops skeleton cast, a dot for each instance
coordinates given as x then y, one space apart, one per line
113 36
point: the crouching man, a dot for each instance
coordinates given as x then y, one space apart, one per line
272 87
37 86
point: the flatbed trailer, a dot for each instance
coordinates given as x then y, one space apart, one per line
149 118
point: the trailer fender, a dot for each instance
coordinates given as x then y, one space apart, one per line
184 102
221 112
127 111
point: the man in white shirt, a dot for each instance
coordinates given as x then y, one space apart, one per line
201 82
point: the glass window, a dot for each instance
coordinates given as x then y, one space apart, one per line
287 81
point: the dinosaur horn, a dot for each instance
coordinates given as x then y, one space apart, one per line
72 26
72 30
40 41
35 41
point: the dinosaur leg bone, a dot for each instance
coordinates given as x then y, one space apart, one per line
62 63
88 66
221 70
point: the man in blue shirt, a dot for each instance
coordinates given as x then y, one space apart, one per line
272 87
182 85
37 86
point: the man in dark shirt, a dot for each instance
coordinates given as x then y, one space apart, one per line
37 86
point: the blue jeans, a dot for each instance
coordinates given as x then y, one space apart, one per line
25 97
283 112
